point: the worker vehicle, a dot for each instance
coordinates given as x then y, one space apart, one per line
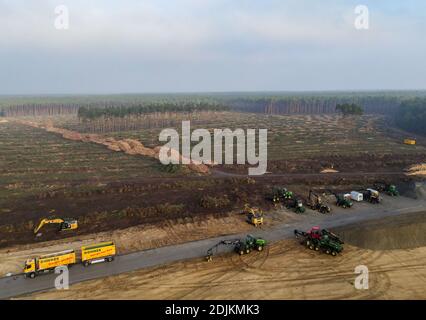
357 196
89 255
97 253
320 239
296 205
410 141
343 201
315 202
279 194
48 262
371 195
64 224
242 247
389 189
254 215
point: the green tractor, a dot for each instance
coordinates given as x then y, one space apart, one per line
249 244
241 247
389 189
343 201
296 205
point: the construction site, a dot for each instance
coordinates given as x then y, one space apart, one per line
212 150
74 190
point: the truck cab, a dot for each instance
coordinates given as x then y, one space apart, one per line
30 267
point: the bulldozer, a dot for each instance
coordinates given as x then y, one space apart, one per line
254 215
64 224
315 203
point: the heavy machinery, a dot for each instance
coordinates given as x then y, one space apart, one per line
254 215
244 246
282 193
343 201
64 224
89 255
389 189
98 253
48 262
315 203
296 205
320 239
371 195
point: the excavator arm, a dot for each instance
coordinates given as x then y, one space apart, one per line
224 243
69 224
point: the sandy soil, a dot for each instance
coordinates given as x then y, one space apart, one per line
285 271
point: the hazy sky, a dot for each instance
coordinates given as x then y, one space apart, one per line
210 45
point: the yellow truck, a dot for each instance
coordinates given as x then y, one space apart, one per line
91 254
48 262
410 141
96 253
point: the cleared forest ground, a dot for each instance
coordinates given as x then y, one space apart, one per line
44 174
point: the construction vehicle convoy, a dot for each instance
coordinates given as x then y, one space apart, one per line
315 202
244 246
89 255
64 224
320 239
254 215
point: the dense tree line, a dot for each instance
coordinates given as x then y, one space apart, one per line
411 115
90 113
379 102
349 109
39 110
314 104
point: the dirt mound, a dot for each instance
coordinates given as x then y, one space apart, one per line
401 232
417 170
329 171
129 146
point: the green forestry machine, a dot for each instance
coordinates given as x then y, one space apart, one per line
342 200
315 202
296 205
320 239
282 195
244 246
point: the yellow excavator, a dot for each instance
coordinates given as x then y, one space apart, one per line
64 224
254 215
